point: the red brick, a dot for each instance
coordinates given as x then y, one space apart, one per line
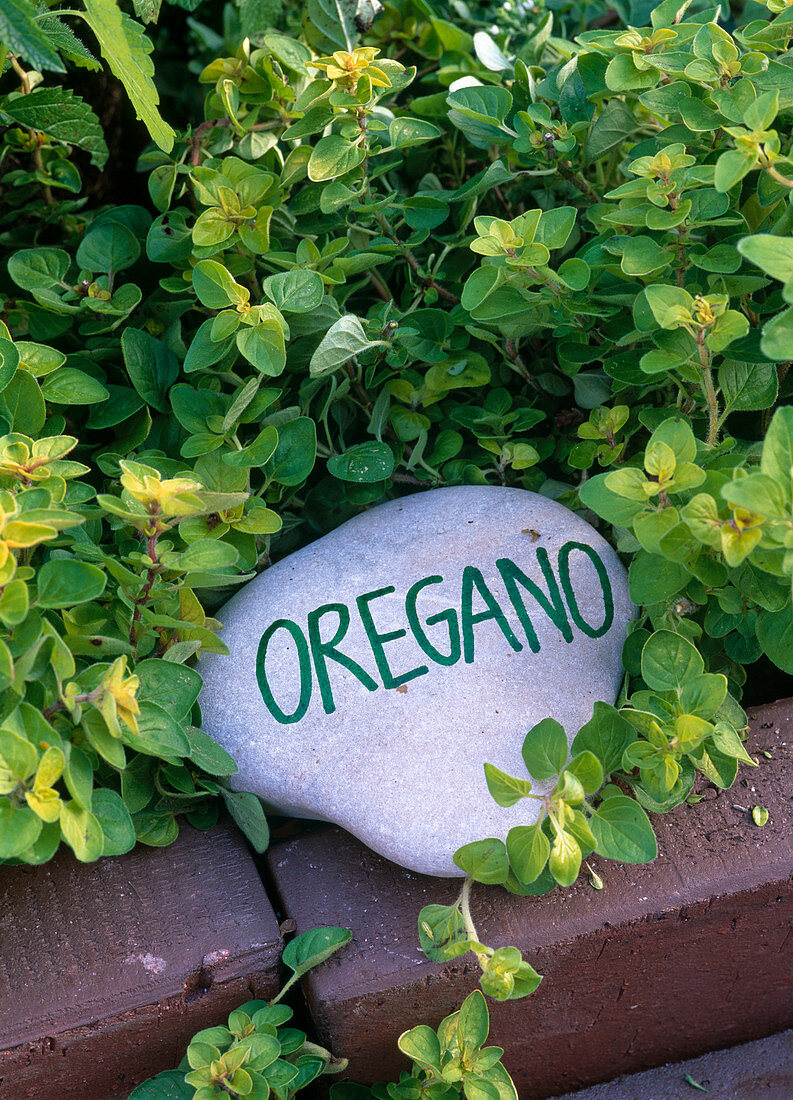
107 969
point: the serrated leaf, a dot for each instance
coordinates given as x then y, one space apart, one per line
126 49
66 42
21 33
62 115
147 10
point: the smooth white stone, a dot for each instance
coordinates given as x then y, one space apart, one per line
402 768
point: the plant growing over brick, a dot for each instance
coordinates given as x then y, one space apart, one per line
257 1056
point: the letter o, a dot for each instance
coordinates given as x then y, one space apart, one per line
569 594
304 660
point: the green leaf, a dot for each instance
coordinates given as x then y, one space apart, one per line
38 268
748 387
169 1085
775 635
126 49
294 456
719 768
643 255
208 554
505 789
248 814
669 660
606 735
79 777
777 336
365 463
771 254
613 125
482 103
173 687
9 361
777 457
309 949
623 831
18 756
263 346
147 10
670 305
295 291
333 156
159 733
115 822
60 114
109 246
64 582
473 1024
703 695
528 849
442 932
19 828
484 860
489 53
69 386
616 509
653 579
403 133
728 743
330 25
23 402
215 287
157 830
82 832
545 750
151 365
422 1046
587 769
21 34
256 453
66 42
731 167
564 861
208 755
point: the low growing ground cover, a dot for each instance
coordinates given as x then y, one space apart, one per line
393 249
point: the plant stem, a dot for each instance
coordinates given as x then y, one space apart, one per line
708 389
511 349
468 921
566 172
778 176
142 598
413 263
24 80
358 386
380 287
